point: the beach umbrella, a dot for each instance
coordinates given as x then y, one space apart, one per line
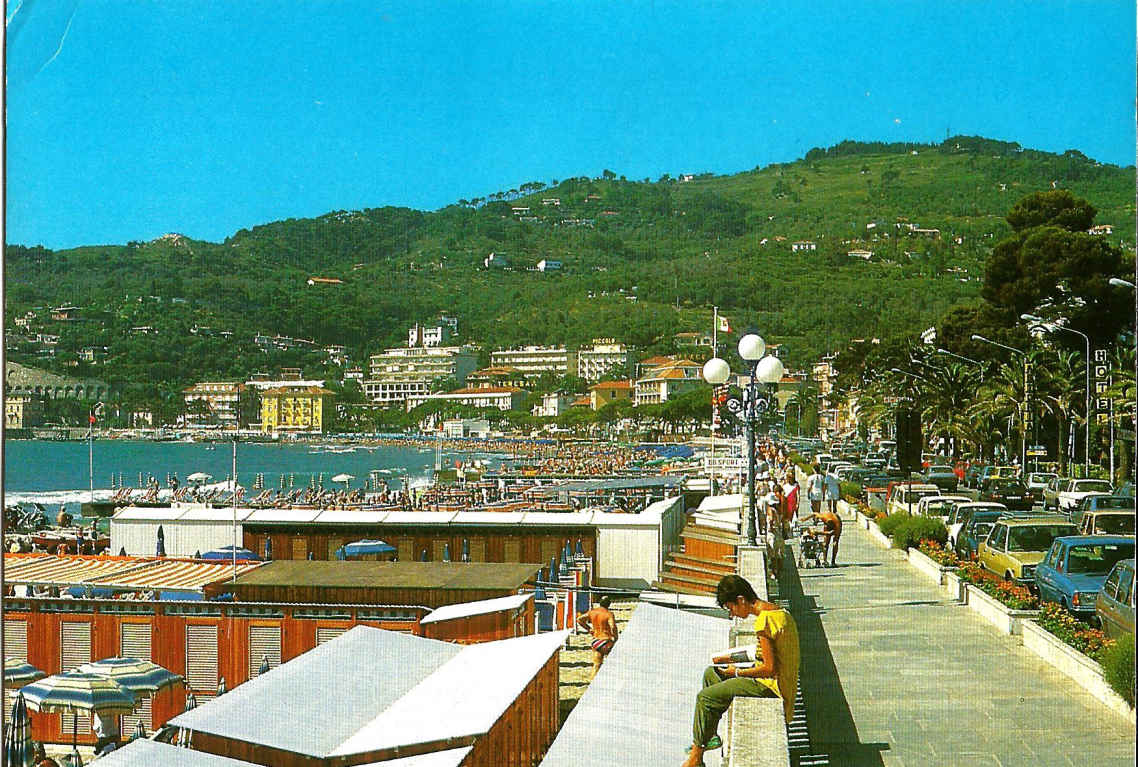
142 677
268 548
191 699
17 672
225 553
345 478
221 687
552 569
423 555
564 570
161 552
75 691
311 556
139 730
198 554
18 739
199 476
265 666
367 546
446 552
465 550
122 551
580 548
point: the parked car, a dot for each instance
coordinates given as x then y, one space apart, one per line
974 527
1114 606
1103 502
1052 490
1010 492
1077 489
943 477
958 515
1016 545
904 496
1105 522
1076 567
1037 480
939 505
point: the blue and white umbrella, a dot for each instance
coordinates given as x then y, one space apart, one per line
75 691
139 730
191 700
465 549
17 673
446 552
142 677
268 548
18 738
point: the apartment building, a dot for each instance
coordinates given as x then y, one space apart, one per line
498 397
221 397
295 409
605 357
532 361
664 382
400 373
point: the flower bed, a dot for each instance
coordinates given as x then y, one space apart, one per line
1066 659
1005 592
1073 632
927 567
937 552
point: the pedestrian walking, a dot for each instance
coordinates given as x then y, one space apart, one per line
833 490
602 624
815 489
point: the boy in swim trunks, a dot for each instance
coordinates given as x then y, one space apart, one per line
602 624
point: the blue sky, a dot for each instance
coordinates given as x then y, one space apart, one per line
128 119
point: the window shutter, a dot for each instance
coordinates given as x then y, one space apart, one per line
15 647
201 661
264 640
327 633
74 651
135 643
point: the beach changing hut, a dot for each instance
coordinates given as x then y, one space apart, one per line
373 696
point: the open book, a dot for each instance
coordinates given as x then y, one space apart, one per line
742 656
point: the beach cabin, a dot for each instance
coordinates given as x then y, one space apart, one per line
373 696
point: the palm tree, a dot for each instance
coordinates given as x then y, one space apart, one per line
949 392
1002 399
1061 382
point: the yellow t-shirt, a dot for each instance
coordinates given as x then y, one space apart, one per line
779 626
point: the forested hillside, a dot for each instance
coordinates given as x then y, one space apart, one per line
642 260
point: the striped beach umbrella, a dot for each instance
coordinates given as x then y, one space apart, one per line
17 672
75 691
18 738
142 677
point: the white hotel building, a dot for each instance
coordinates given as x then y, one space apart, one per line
604 358
532 361
399 374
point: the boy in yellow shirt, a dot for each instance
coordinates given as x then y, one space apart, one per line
774 675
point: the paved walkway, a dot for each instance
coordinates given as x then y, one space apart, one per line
895 675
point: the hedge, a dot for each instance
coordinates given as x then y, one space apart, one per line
1117 662
919 528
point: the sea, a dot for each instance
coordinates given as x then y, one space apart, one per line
54 473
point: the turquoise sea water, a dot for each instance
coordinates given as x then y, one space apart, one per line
57 472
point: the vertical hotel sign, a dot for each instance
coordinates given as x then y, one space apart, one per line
1102 382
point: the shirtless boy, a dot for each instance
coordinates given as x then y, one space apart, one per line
602 624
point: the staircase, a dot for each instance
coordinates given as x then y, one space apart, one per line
708 554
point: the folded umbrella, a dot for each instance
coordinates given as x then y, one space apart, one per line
139 730
18 738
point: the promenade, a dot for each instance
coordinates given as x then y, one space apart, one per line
896 675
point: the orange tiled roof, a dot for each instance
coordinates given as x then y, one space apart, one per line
487 390
611 385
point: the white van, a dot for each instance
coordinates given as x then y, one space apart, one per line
906 497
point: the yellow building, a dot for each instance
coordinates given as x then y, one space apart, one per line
295 409
22 412
609 391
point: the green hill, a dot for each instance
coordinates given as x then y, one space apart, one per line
642 261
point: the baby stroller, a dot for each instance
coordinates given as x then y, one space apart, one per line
810 549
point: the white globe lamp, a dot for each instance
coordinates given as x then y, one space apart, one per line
716 371
752 347
770 370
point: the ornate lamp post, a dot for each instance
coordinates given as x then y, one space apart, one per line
767 370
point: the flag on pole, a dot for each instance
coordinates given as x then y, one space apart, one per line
724 326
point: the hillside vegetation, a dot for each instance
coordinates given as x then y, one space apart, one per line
642 260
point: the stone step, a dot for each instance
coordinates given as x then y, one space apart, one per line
725 565
678 589
703 585
692 569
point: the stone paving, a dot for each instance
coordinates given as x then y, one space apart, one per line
895 675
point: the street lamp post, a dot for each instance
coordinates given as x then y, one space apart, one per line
1039 322
977 363
1026 405
762 369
